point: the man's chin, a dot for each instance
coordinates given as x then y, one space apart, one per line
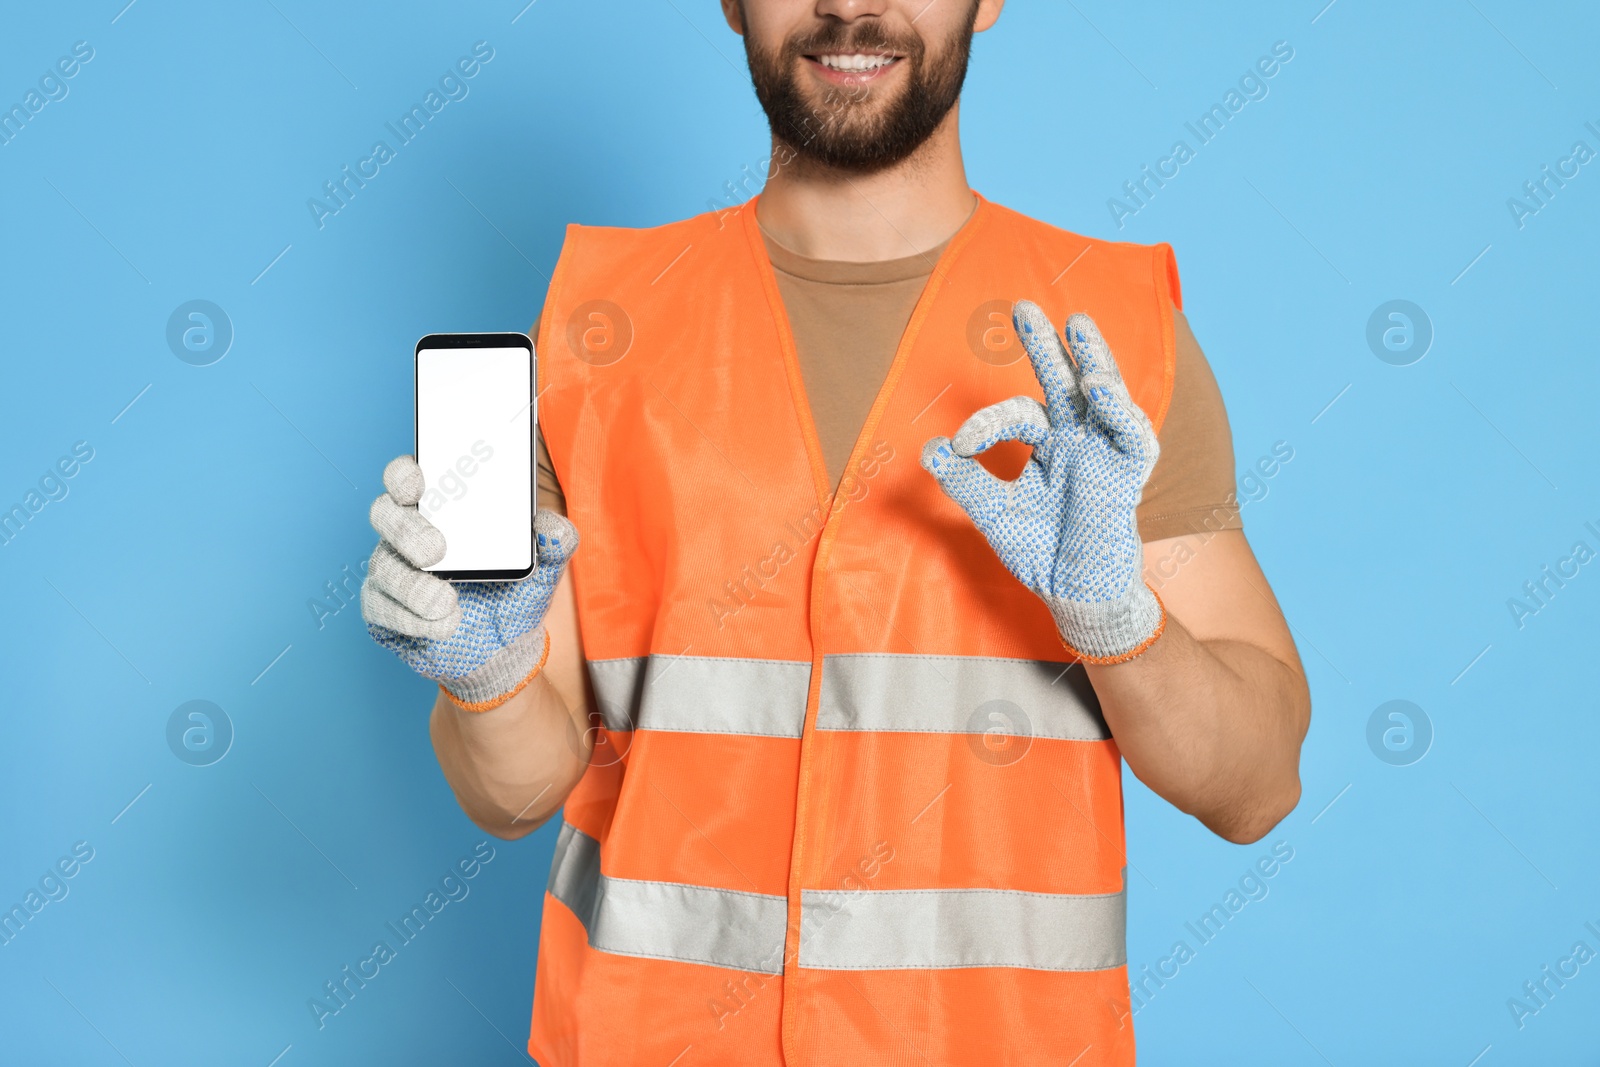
855 115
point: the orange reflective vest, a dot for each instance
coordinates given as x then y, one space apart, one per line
848 804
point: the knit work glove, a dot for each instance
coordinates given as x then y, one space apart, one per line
481 641
1066 528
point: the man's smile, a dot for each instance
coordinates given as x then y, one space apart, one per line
853 68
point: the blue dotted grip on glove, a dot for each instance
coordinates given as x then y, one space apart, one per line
1067 527
501 638
481 641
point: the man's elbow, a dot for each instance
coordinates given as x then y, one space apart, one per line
1249 824
507 823
506 829
1253 816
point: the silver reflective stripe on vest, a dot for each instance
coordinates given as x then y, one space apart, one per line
702 694
959 695
667 920
871 930
575 872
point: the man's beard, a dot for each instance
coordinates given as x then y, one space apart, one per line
839 131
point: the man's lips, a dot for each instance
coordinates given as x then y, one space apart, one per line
853 68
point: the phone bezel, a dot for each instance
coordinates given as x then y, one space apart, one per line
435 341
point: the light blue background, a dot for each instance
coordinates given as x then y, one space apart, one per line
215 506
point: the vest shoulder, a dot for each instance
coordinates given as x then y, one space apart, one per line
624 258
1046 234
624 241
1124 263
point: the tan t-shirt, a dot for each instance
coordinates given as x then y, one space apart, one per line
847 319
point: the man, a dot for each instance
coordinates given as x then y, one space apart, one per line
829 700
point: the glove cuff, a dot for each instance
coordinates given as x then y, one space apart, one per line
505 674
1114 631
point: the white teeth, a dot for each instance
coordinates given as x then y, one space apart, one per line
854 63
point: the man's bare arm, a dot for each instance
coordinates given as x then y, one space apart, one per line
1205 696
515 744
512 767
1212 715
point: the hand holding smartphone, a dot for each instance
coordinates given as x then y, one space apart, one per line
474 442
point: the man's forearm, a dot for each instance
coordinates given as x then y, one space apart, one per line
512 767
1214 727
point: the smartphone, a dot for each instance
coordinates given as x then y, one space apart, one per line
475 445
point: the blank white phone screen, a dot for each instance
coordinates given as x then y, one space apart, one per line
474 423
